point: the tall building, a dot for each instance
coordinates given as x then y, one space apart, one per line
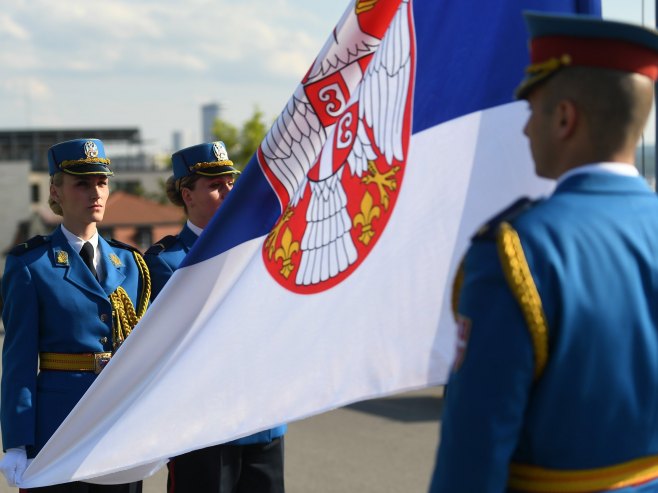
176 140
209 113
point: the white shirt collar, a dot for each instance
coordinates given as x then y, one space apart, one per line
77 242
624 169
195 229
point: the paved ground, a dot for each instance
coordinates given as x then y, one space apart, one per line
383 446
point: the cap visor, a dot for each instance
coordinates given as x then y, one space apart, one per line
88 169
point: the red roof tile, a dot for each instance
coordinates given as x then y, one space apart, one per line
126 209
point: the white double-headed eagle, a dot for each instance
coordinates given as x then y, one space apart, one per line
296 142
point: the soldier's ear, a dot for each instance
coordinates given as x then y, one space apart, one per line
186 195
54 194
566 119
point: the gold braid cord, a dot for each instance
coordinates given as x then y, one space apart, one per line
519 278
213 164
146 284
125 316
89 160
457 284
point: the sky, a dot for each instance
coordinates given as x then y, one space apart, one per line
152 64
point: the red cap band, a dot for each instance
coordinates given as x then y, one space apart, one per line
596 52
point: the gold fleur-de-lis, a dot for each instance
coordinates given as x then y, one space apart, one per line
270 241
382 180
365 5
288 247
365 217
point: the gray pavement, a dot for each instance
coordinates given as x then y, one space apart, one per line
384 446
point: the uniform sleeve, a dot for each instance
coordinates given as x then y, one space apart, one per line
160 271
489 387
20 355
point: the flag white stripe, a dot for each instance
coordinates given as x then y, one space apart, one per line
458 174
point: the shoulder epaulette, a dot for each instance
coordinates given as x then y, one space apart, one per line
488 230
125 246
30 244
159 247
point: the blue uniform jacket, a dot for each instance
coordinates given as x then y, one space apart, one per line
579 391
52 303
163 259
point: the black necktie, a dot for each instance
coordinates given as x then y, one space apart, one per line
87 254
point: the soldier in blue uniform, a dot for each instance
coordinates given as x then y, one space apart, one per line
70 299
203 176
555 383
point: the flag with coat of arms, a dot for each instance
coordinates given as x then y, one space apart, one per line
325 277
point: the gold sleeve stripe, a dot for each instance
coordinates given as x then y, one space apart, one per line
533 479
519 278
457 284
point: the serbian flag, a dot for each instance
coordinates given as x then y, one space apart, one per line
325 278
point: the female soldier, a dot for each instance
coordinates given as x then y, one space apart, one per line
70 299
203 176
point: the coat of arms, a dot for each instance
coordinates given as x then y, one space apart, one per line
352 114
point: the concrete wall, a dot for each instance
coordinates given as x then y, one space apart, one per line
14 201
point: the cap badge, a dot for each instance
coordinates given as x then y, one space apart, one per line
91 149
220 151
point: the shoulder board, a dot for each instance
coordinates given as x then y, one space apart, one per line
159 247
488 230
125 246
30 244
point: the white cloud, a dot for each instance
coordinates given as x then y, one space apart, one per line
13 29
123 35
31 87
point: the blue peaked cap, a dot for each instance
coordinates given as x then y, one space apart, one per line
79 157
210 159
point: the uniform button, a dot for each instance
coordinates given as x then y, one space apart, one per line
103 340
104 317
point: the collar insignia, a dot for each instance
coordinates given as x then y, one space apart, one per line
62 258
115 260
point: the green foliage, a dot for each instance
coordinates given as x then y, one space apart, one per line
229 134
241 143
161 195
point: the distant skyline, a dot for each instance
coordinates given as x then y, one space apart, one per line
153 64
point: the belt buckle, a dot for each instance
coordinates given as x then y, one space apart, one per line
100 360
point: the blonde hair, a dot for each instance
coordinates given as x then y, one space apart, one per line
57 180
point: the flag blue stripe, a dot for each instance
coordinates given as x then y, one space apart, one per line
250 211
483 45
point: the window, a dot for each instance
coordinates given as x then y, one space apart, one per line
35 193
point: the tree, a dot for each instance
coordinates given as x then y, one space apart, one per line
242 143
229 134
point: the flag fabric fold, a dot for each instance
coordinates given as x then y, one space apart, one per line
325 277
